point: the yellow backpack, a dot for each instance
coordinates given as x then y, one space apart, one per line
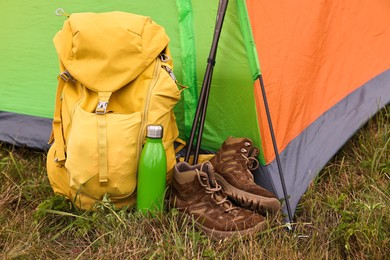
116 78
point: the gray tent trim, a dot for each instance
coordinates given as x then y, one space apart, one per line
307 154
23 130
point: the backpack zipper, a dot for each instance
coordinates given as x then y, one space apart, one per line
146 108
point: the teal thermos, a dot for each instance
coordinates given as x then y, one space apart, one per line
152 169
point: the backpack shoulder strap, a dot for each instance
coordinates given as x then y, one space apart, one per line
57 122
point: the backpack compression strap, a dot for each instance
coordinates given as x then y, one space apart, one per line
101 111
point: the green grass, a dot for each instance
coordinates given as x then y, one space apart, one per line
343 215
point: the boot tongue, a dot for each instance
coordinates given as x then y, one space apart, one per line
253 152
253 163
208 168
219 195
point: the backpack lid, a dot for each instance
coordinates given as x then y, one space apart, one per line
106 51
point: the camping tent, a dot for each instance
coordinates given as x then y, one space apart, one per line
325 66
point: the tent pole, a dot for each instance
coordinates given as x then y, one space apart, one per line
289 212
203 116
195 125
203 100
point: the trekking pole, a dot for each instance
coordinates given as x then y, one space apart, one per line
199 119
281 175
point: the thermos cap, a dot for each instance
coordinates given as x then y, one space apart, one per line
154 131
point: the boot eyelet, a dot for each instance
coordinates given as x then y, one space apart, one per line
243 150
247 144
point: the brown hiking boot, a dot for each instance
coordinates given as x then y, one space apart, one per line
233 164
196 193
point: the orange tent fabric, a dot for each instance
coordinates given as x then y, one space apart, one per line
312 55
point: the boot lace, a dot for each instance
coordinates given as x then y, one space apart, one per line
251 162
215 192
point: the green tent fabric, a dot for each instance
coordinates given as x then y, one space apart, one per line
31 27
325 65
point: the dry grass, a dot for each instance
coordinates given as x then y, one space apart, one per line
343 215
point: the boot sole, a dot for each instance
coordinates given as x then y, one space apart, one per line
220 235
248 200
